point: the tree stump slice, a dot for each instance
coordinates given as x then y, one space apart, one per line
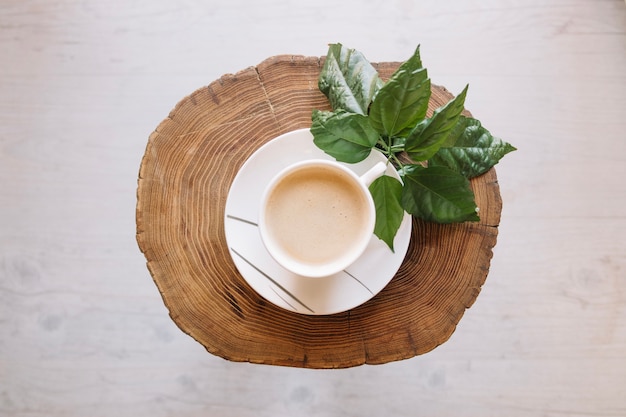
189 164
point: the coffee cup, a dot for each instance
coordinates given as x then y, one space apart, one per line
317 216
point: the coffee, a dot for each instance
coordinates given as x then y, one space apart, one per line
317 214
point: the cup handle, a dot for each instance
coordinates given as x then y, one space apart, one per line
373 173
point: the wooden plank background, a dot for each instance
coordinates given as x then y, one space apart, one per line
83 330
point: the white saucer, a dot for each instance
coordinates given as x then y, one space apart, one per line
334 294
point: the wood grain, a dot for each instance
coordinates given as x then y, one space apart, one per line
189 164
83 328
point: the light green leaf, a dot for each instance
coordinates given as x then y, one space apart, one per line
387 192
437 194
473 150
429 135
348 79
403 101
348 137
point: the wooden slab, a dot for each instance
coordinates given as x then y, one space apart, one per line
190 161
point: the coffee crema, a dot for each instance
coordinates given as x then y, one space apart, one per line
317 214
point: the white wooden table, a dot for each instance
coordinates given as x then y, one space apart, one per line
83 330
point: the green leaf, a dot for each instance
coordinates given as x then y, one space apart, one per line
387 192
348 137
429 135
403 101
473 150
348 79
437 194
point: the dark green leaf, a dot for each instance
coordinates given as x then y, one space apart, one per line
429 135
348 79
437 194
474 150
456 132
348 137
387 192
402 102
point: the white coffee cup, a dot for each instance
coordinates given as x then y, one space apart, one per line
317 216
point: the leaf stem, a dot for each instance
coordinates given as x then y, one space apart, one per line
384 146
390 152
396 161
